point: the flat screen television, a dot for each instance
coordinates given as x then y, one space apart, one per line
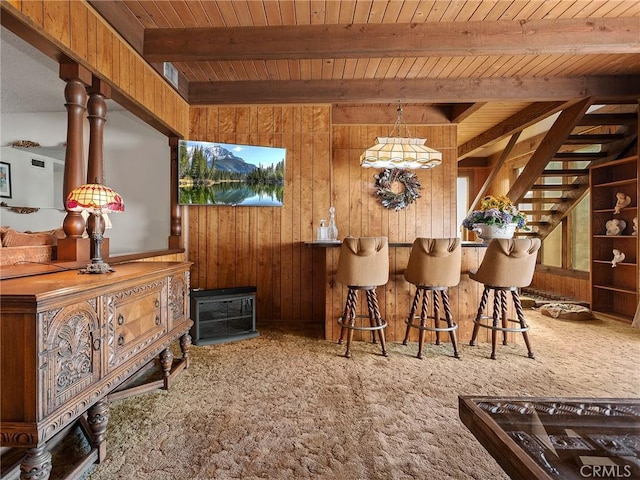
211 173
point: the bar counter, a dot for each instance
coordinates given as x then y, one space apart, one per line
396 296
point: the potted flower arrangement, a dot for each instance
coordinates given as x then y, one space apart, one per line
498 217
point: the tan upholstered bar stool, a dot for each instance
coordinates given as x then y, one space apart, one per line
363 265
508 264
434 266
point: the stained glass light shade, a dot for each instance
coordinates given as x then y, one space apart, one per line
400 152
97 200
94 198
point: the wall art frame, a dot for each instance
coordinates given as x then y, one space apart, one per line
5 180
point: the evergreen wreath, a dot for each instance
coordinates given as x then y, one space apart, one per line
390 199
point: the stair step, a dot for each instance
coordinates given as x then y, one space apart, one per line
576 156
565 172
538 223
546 200
589 139
556 188
539 212
593 119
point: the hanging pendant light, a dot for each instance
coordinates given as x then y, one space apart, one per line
400 152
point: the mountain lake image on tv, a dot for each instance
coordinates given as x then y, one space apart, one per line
212 173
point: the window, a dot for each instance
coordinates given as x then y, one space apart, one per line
580 221
572 253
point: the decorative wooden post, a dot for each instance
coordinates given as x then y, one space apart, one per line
175 239
97 109
97 116
74 247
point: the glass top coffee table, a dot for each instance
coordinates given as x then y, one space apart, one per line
557 438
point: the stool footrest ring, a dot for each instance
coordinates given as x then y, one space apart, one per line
499 327
342 323
431 329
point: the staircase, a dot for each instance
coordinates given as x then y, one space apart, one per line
556 177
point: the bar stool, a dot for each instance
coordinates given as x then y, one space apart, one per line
434 265
363 265
508 264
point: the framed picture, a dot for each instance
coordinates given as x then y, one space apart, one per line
5 180
230 174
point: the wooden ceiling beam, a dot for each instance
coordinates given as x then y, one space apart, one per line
462 90
502 37
120 18
461 111
516 123
524 148
385 115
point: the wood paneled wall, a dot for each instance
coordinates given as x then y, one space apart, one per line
554 280
264 246
75 29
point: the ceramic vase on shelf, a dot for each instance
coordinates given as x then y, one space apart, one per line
488 232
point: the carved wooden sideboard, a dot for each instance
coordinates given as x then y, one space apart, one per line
68 340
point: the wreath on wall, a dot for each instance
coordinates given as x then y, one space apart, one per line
390 199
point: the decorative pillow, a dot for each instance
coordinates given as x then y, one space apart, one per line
56 234
566 311
11 238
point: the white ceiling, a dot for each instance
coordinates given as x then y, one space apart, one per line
29 79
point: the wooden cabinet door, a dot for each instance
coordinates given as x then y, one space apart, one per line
70 357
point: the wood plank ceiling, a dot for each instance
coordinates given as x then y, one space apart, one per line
492 66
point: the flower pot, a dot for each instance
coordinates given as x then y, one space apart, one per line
488 232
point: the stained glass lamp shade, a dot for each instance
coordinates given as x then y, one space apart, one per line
95 199
401 151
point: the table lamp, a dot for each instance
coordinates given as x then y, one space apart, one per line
95 199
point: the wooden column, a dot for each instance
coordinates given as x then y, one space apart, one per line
74 247
97 116
175 239
97 109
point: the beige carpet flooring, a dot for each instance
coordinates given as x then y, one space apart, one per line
288 405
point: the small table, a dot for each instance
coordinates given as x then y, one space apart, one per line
557 438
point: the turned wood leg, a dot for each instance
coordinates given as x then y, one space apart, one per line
352 321
349 305
185 345
424 312
450 324
523 323
97 420
436 314
505 323
166 362
412 313
351 317
379 322
36 465
373 321
496 316
476 322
